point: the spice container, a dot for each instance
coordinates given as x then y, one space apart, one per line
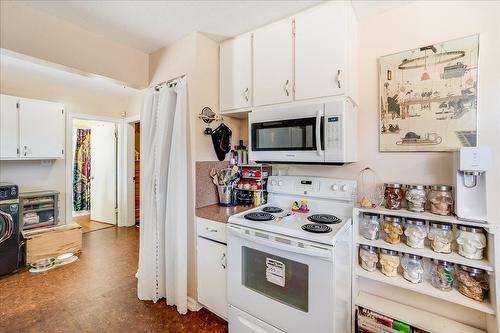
472 282
471 242
441 236
415 232
369 226
389 262
441 199
442 273
413 267
416 198
393 195
393 229
368 257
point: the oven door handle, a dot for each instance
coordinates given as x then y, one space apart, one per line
10 226
318 132
308 250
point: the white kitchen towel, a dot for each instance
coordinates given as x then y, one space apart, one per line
163 235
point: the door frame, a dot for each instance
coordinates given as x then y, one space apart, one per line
121 216
129 167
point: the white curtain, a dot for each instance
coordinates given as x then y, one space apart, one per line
162 269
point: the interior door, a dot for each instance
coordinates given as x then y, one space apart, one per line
41 129
320 51
9 127
236 73
273 66
103 173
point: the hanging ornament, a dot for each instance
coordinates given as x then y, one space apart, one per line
425 75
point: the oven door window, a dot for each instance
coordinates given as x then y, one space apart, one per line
281 279
292 134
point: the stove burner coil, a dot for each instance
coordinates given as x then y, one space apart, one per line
259 216
271 209
324 218
316 228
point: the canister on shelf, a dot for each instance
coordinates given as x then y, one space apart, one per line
369 225
389 262
415 232
442 274
471 241
441 199
393 195
368 257
413 267
393 229
416 197
441 237
472 282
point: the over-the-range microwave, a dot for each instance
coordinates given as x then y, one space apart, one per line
323 133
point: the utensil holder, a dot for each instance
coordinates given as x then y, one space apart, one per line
227 195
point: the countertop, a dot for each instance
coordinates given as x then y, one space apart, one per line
219 213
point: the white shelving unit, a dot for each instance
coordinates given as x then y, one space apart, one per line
368 286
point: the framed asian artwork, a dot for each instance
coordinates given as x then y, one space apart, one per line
428 97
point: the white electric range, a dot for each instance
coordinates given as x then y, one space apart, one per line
290 271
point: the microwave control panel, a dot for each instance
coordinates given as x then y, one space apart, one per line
333 132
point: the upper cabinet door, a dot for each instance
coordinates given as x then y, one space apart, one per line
273 63
9 127
320 50
236 73
41 129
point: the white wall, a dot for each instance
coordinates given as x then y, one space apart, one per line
423 23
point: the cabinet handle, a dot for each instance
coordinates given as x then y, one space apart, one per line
246 94
25 150
287 90
223 261
338 79
211 229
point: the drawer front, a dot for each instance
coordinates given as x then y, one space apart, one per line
211 229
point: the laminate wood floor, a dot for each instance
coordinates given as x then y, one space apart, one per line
88 225
98 293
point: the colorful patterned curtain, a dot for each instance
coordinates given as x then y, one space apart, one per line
81 174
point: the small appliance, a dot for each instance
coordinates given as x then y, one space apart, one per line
471 165
310 134
289 261
9 228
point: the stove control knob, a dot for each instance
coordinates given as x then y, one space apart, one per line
280 183
273 182
344 188
335 187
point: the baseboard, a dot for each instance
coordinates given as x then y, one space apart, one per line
193 305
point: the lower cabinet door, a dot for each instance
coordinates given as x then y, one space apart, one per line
211 262
242 322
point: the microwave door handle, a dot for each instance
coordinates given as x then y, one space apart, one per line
318 132
318 252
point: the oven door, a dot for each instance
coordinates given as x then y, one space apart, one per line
287 135
284 282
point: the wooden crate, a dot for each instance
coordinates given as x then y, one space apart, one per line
51 242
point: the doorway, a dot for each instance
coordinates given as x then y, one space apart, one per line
94 173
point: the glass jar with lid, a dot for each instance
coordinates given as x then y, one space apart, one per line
389 262
393 195
442 274
415 232
441 237
471 241
472 282
413 267
393 229
369 226
441 199
368 257
416 197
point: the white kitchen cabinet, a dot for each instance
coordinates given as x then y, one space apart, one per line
211 259
273 63
324 37
9 127
41 129
236 73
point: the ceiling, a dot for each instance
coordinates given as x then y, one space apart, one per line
151 25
